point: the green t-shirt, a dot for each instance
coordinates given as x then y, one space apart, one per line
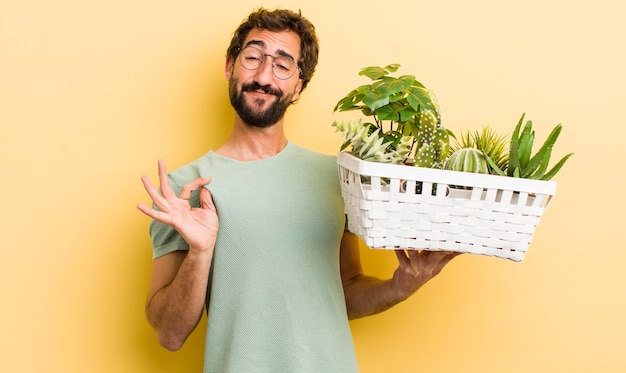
275 300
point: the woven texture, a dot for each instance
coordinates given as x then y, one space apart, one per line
396 206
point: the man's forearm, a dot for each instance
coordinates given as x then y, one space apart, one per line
369 295
175 310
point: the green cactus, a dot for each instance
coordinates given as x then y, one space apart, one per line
488 141
468 160
433 141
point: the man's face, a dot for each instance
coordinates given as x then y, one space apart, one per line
259 98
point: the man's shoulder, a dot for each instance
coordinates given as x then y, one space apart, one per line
192 170
312 154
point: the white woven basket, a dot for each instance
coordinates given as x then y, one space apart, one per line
397 206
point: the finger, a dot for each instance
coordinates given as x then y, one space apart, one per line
451 255
440 259
206 199
402 256
412 254
187 189
158 200
145 209
166 189
154 214
441 256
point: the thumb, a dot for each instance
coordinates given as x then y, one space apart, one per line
206 199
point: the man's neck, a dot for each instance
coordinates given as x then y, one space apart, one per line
247 143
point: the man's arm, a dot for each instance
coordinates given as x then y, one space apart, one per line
179 279
367 295
177 295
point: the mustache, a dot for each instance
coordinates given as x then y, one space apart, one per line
254 86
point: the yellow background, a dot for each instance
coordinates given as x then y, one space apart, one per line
93 93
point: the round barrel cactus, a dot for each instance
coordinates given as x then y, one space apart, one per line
468 160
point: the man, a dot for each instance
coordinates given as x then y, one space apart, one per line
254 231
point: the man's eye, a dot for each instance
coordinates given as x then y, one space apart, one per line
283 65
252 58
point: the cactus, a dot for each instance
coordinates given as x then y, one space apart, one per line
489 142
468 160
433 141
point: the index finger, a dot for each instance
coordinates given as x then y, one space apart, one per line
166 189
185 192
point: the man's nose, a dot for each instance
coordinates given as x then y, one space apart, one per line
264 74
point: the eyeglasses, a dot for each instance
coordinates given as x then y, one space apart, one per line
283 67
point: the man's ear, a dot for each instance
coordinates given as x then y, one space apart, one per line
228 68
296 91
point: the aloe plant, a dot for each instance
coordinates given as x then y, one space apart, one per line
521 163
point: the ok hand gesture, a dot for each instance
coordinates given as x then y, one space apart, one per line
197 225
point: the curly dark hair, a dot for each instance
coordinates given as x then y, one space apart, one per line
281 20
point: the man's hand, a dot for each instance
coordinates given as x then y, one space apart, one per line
416 267
197 226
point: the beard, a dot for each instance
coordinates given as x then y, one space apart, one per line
260 119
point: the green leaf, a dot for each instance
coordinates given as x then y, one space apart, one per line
375 101
490 162
417 84
514 148
349 102
550 174
364 89
407 81
493 166
397 86
451 134
543 155
421 100
525 146
387 113
396 97
373 72
366 111
405 114
392 67
413 100
381 86
376 72
410 128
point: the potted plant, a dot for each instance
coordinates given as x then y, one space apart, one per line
405 186
410 111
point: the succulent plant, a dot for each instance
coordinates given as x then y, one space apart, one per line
520 163
367 143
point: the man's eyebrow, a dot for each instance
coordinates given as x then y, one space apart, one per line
262 44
